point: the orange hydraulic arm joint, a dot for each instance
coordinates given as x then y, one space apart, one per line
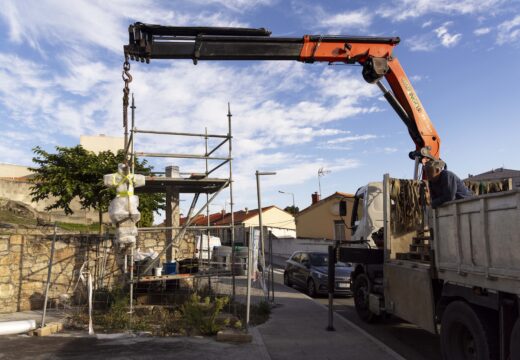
378 62
373 53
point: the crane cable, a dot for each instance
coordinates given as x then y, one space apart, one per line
127 78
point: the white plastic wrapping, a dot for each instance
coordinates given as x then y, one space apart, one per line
126 235
124 208
121 183
142 255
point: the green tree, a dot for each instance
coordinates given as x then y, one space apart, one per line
76 172
292 210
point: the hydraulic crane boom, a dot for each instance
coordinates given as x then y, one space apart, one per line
219 43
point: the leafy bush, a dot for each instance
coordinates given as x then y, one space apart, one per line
200 317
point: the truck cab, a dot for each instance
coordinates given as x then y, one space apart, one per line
367 214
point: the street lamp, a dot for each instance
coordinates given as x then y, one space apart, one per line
258 174
321 172
292 194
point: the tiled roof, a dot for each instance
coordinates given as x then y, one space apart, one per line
225 219
335 195
495 174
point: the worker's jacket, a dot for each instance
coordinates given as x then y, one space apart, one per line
447 187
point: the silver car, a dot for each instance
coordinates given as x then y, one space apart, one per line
308 270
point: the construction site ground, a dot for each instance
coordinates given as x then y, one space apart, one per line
295 330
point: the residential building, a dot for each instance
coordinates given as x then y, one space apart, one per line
497 175
321 219
98 143
279 222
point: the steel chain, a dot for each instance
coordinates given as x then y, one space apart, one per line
127 78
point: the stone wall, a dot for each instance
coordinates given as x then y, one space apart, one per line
155 240
24 259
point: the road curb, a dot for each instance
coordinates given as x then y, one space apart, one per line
259 340
378 343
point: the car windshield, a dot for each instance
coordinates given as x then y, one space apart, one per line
323 260
319 259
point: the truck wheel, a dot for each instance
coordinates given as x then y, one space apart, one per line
515 341
286 280
361 292
467 333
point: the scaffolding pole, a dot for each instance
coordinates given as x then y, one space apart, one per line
231 204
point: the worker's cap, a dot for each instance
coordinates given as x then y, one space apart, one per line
435 164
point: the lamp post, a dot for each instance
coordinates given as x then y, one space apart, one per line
292 194
258 174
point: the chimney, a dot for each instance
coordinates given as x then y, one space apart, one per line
246 210
223 213
315 197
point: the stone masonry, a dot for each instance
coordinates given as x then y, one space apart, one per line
24 258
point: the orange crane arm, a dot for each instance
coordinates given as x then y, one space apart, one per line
377 61
373 53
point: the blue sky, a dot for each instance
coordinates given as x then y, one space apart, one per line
60 77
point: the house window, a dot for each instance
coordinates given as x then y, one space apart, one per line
339 230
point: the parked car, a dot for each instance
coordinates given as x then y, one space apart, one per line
308 270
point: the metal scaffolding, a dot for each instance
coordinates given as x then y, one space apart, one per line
194 183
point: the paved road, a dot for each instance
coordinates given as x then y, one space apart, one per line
406 339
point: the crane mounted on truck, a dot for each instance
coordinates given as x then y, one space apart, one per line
460 287
374 54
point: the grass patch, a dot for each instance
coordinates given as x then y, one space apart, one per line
195 316
78 227
9 217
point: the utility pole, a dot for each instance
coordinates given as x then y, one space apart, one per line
258 174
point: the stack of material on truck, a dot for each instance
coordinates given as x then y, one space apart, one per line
488 187
408 202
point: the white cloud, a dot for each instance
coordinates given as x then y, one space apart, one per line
93 22
430 41
447 39
427 24
482 31
348 139
399 10
236 5
509 31
332 22
335 23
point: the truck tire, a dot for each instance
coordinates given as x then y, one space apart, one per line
467 333
360 293
515 341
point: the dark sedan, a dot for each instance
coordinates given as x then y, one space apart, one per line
309 271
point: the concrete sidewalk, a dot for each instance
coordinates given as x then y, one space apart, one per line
296 330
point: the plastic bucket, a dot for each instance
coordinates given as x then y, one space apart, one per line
158 271
170 268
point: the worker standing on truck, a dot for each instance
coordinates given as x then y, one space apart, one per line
444 185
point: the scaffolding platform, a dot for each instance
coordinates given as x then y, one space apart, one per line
159 184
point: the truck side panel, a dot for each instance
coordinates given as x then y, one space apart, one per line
409 293
477 241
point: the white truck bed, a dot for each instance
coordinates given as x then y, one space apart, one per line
477 241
